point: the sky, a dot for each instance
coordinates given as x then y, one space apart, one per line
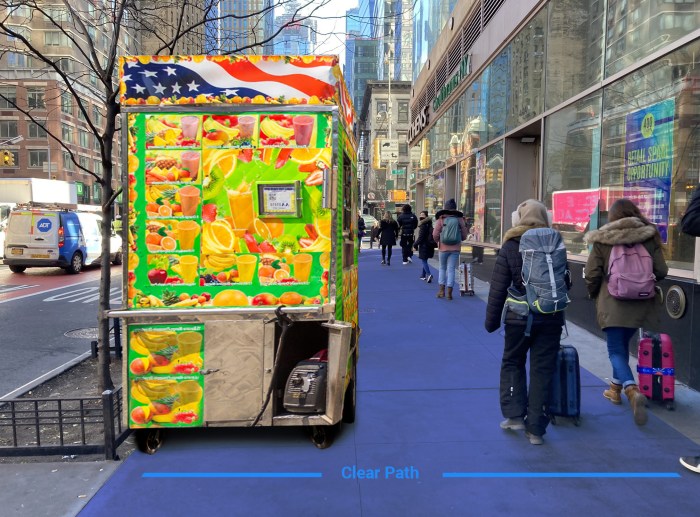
331 26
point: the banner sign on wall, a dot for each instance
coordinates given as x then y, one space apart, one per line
649 161
479 198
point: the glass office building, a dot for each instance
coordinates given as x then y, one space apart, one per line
584 102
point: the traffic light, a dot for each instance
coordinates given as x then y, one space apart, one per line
8 158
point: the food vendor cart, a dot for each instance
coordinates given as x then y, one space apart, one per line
240 273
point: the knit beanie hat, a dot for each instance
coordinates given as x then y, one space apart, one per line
531 213
450 209
451 204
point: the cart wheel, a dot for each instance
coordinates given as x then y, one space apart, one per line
471 293
149 440
349 403
322 436
670 405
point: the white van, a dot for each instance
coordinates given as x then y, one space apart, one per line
37 237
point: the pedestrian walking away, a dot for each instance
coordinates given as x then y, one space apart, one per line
361 227
408 222
449 249
690 224
620 318
523 407
388 232
374 234
425 244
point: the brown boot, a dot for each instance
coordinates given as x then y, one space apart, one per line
614 393
449 293
441 292
638 402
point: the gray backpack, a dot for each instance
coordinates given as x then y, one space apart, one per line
545 272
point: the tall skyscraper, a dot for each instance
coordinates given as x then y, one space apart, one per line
237 30
295 38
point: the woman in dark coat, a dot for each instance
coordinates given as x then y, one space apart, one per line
388 231
620 319
522 407
424 244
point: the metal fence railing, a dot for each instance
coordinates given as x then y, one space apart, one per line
46 426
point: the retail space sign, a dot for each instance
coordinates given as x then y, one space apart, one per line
465 69
649 161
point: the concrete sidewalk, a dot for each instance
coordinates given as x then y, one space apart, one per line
428 400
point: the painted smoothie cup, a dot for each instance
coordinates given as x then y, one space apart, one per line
187 232
190 161
242 210
302 266
189 342
189 265
189 200
246 267
246 126
303 127
189 126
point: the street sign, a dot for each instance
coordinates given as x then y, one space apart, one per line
389 150
396 172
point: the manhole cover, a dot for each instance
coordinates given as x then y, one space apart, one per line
87 333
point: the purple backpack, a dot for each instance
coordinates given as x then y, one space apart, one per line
631 272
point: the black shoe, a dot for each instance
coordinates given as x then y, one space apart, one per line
429 278
388 262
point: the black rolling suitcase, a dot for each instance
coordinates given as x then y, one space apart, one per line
565 392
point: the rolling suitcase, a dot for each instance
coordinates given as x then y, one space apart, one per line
565 391
466 279
656 368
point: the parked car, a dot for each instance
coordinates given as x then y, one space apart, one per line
61 238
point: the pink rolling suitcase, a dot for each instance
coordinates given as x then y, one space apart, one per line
656 368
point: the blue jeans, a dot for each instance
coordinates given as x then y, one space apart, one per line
448 263
426 267
618 339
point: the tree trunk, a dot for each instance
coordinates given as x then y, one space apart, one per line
104 377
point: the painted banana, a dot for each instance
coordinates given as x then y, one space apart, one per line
320 244
273 129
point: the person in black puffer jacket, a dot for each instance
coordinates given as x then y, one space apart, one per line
425 244
523 408
408 222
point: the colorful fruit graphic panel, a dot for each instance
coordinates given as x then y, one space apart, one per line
165 389
201 231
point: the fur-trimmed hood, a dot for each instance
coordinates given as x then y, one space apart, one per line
517 231
628 230
427 220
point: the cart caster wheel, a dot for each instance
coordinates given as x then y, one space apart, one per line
471 293
322 436
670 405
149 440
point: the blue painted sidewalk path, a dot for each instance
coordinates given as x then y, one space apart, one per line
426 441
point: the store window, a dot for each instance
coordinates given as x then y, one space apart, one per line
571 170
651 145
498 82
574 48
493 191
526 74
671 21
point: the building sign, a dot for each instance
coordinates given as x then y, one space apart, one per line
465 68
419 124
649 161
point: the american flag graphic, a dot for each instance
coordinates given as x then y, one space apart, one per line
276 77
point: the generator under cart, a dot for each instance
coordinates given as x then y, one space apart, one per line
240 273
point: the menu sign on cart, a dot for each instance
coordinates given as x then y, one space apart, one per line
226 210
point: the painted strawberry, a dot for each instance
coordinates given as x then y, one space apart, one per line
209 212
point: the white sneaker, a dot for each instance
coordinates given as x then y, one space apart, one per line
691 463
409 260
404 262
429 278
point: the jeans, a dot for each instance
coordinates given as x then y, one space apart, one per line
515 397
448 264
426 267
619 353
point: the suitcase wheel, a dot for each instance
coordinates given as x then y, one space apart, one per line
670 405
471 293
